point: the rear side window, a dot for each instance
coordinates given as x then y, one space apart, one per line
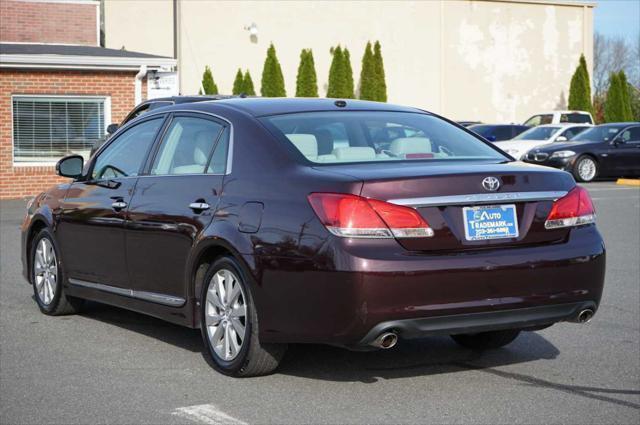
187 146
631 135
361 136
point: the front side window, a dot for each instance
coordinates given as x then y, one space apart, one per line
570 133
376 137
631 135
125 155
538 133
48 128
187 146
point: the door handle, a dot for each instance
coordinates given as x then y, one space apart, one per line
118 205
199 206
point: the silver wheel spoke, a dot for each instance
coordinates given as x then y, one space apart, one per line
238 327
234 347
212 319
217 335
226 342
239 311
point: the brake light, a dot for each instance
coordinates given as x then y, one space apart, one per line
358 217
573 209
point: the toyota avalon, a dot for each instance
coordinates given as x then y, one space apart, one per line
265 222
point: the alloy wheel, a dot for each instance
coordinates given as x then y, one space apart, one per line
45 268
587 169
226 314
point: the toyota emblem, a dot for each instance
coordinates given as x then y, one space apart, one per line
491 184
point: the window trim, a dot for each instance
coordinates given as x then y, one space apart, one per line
52 162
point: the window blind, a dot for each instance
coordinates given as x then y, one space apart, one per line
47 128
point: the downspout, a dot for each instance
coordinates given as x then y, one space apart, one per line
138 84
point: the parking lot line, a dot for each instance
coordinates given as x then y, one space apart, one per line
207 414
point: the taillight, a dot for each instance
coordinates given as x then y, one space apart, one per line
573 209
358 217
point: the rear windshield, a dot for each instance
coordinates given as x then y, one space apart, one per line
601 133
537 133
365 136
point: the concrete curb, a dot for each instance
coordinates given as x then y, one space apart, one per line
629 182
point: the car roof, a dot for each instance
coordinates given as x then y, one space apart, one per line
563 112
566 124
618 124
263 106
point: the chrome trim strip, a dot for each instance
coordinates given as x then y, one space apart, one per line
141 295
479 198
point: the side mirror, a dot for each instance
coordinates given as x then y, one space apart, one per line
561 139
70 166
111 128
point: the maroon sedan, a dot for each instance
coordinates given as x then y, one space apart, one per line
272 221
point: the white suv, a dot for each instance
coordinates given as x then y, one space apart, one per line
560 117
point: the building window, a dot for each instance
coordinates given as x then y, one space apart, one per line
48 128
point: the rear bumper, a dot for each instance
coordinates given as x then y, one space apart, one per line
352 290
522 318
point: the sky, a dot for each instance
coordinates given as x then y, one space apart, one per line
618 18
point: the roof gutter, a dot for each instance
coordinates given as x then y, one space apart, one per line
85 62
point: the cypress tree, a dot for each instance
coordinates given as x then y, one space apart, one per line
613 106
306 80
238 83
272 78
208 85
627 113
580 88
337 80
381 84
247 84
367 75
348 74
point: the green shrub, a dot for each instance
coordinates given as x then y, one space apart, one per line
306 80
247 84
381 84
367 75
208 85
580 88
349 92
238 83
272 84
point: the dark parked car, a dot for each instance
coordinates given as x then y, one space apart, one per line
608 150
246 219
498 132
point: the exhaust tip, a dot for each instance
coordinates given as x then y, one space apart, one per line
385 340
585 315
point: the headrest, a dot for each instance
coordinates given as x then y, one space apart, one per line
325 141
355 154
409 145
306 144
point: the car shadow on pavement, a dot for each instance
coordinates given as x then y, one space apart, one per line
176 335
426 356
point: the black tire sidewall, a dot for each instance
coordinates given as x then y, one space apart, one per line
51 307
231 367
576 171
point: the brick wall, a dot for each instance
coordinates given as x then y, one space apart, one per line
23 181
48 22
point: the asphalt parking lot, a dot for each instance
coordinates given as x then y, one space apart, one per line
112 366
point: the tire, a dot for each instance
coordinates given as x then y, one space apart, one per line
487 340
221 323
47 275
585 169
